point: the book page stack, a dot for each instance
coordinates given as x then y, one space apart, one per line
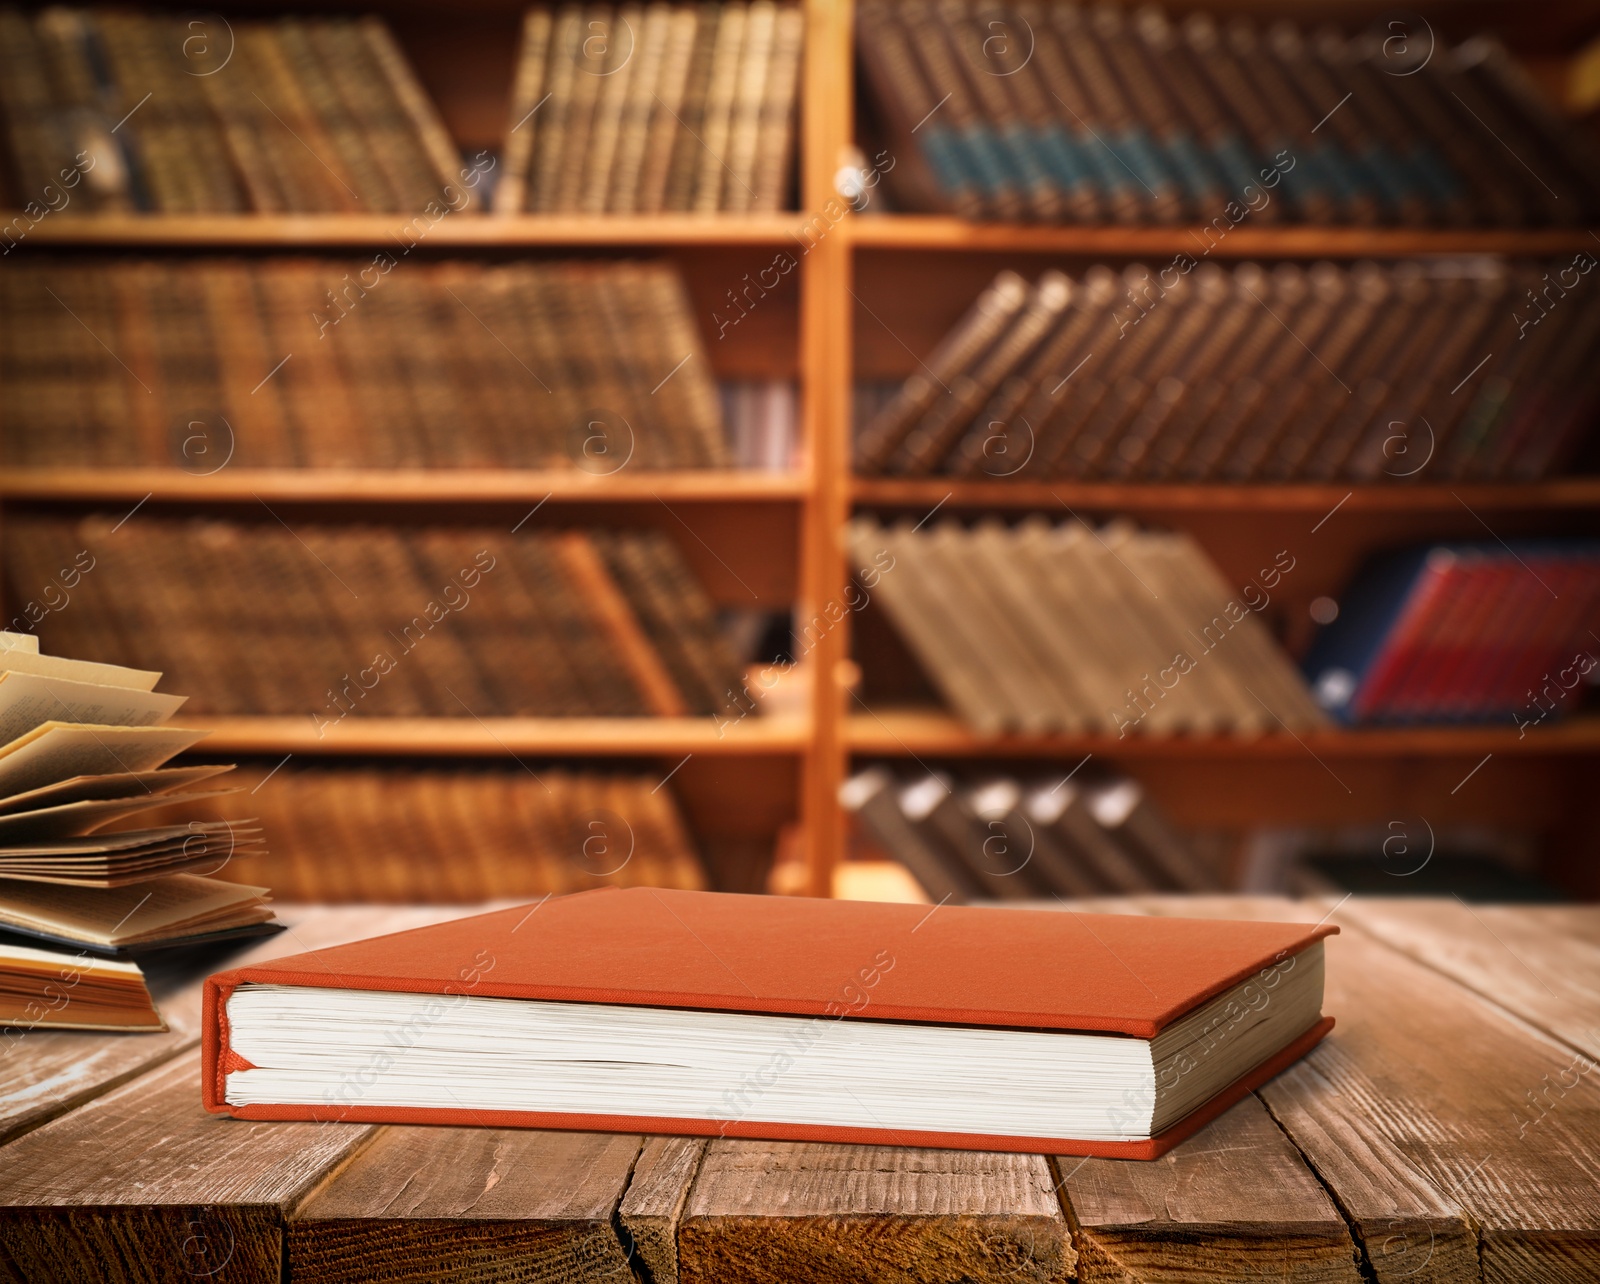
82 746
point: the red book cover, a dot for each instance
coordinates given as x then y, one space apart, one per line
948 965
1445 686
1401 650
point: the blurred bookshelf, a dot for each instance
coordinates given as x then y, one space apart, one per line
823 333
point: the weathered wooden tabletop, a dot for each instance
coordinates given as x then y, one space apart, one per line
1448 1130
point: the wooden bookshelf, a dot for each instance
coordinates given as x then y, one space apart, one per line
937 232
792 766
410 486
892 733
502 737
381 231
923 493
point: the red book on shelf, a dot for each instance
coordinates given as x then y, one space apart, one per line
1445 682
707 1014
1403 650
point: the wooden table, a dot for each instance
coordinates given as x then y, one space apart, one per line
1449 1130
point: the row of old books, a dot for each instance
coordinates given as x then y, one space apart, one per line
345 621
1471 632
426 833
1057 113
664 107
999 838
199 363
116 111
1373 373
1045 628
85 745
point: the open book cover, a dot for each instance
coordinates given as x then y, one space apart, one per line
710 1014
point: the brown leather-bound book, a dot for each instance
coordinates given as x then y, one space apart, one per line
977 330
744 118
926 445
614 619
905 98
1322 439
1284 336
775 138
722 89
552 141
1403 441
1144 318
429 131
1009 437
528 99
733 982
940 61
982 56
352 147
1105 436
1180 398
667 132
1063 814
623 36
1351 357
652 34
1114 120
595 55
688 146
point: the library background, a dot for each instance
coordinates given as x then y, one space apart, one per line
904 450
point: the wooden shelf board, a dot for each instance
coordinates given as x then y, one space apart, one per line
931 733
925 492
389 231
939 232
371 485
502 737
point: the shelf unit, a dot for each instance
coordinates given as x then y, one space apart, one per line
871 290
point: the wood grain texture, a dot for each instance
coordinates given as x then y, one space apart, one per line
1542 964
469 1204
652 1209
141 1184
46 1072
1433 1115
791 1211
1235 1201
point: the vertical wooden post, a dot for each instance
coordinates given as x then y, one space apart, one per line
824 251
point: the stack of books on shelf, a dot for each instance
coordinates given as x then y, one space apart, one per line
1049 629
347 621
1397 373
398 833
999 838
83 746
1057 113
686 107
1485 632
203 363
109 111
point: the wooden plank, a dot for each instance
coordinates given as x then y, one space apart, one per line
399 486
939 232
46 1072
1431 1114
468 1204
907 732
1235 1201
1542 964
189 231
653 1206
495 737
1154 498
141 1184
789 1211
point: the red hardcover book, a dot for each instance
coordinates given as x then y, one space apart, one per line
707 1014
1402 651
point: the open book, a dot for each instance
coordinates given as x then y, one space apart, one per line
83 747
